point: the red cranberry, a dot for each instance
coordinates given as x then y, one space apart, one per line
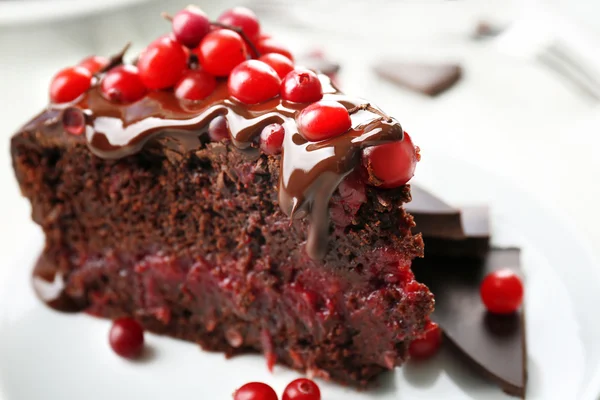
271 139
255 391
253 82
162 63
302 389
502 292
270 45
391 165
123 84
73 121
93 63
301 86
280 63
427 345
126 337
243 18
190 25
195 85
69 83
323 120
220 51
218 129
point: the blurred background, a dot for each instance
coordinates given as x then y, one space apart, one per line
527 107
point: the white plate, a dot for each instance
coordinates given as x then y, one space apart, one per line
35 11
52 356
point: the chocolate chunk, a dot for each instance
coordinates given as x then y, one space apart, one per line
434 217
448 231
429 79
495 344
475 244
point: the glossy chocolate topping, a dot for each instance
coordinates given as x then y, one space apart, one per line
310 171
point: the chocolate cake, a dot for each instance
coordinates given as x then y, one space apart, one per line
168 211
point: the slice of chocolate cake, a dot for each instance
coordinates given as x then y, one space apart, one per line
224 213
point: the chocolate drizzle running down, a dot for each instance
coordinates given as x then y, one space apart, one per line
310 171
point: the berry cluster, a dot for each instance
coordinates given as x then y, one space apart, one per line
198 53
300 389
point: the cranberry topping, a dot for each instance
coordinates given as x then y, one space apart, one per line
255 391
391 165
301 86
270 45
73 121
93 63
126 337
302 389
243 18
502 292
190 25
162 63
427 345
195 85
271 139
218 129
323 120
123 84
253 82
280 63
220 51
69 83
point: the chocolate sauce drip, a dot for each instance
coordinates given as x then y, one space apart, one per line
310 171
49 286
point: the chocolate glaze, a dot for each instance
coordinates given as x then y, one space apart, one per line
495 344
310 172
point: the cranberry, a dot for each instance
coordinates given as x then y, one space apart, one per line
218 129
270 45
253 82
123 84
255 391
271 139
302 389
502 292
195 85
220 51
190 25
69 83
301 86
126 337
280 63
243 18
162 63
427 345
93 63
73 121
323 120
391 165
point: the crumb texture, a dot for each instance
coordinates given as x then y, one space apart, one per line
195 246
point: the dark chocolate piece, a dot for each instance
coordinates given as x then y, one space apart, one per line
475 244
494 343
434 217
428 79
486 30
